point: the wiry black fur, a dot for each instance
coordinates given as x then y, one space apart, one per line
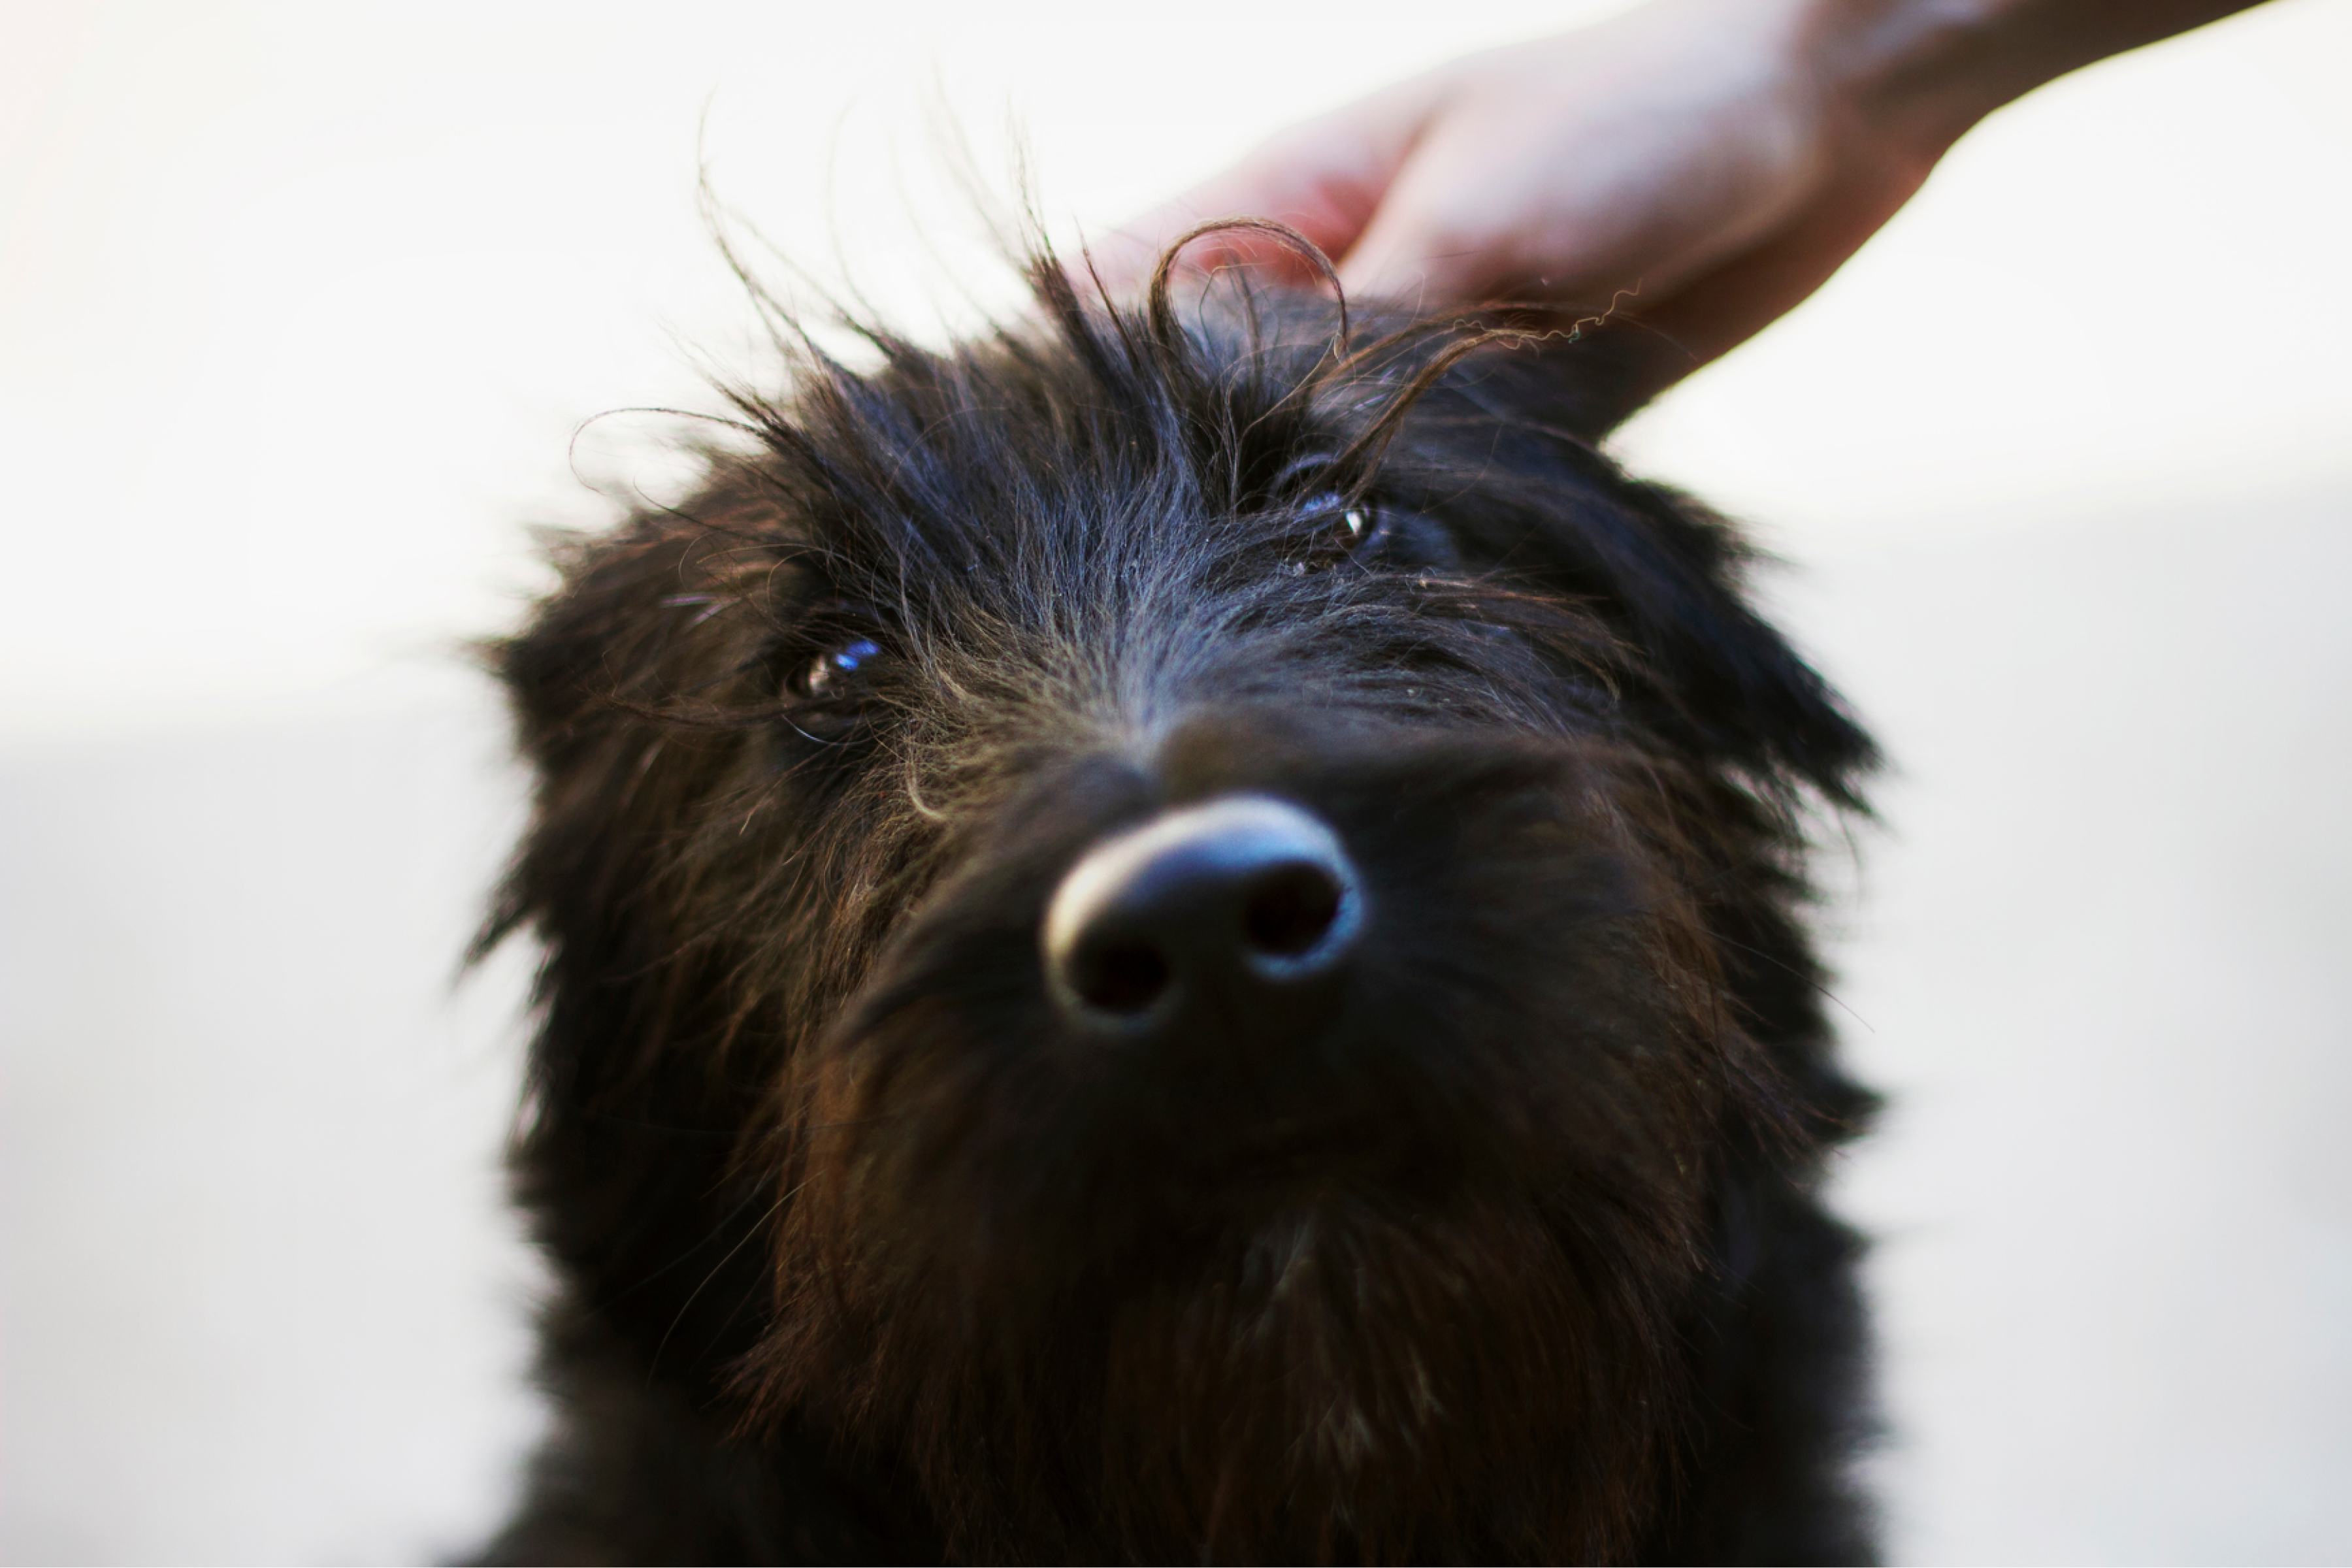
865 1256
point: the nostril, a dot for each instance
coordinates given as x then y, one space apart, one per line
1124 977
1290 910
1233 917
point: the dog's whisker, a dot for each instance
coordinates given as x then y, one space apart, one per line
653 1362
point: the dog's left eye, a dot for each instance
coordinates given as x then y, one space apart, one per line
1346 523
1337 527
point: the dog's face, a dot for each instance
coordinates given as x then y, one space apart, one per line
1183 876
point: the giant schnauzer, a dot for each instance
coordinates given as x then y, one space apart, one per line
1174 935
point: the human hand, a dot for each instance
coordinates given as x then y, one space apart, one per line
1700 165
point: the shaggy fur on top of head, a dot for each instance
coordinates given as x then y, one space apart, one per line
868 1252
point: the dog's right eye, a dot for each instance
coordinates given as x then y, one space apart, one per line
836 673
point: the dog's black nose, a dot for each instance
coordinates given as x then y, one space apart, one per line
1231 919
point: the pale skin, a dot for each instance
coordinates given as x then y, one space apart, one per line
1699 166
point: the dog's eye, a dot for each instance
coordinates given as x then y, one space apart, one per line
839 672
828 695
1348 523
1335 527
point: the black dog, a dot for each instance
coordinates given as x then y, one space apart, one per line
1174 936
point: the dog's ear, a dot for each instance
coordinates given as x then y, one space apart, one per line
1727 677
1589 377
590 679
625 1153
1668 574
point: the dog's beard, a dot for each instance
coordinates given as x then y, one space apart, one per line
1351 1383
1339 1384
1342 1374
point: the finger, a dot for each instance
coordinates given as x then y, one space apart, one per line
1129 253
1323 178
1410 252
1298 199
1460 227
1476 212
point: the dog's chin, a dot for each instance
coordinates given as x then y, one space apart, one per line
1352 1380
1340 1378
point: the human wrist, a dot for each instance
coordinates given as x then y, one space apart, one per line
1921 72
1916 74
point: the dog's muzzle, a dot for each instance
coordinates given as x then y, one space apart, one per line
1233 920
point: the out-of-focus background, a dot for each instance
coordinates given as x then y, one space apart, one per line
301 307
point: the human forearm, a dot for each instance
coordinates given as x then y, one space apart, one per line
1929 70
1703 164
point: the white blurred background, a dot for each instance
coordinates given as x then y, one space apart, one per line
300 305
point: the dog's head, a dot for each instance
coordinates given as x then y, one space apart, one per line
1145 927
